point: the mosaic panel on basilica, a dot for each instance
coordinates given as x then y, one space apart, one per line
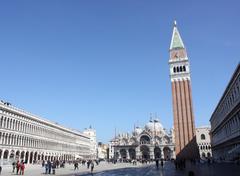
151 142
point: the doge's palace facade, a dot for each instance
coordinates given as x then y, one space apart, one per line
24 136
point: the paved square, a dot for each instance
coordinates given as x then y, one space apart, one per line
126 169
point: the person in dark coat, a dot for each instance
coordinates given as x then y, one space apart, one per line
49 166
14 166
54 167
88 164
92 166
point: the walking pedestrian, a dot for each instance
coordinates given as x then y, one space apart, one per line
49 167
22 168
54 167
46 168
57 163
92 166
43 163
14 166
88 163
18 165
76 166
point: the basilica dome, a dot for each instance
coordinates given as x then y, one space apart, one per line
154 125
138 130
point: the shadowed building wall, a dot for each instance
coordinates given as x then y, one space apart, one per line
225 122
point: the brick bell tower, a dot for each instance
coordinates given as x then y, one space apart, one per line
184 125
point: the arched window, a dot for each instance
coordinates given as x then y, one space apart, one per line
177 69
174 69
184 68
203 137
181 69
1 122
7 122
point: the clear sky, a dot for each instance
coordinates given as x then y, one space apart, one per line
105 63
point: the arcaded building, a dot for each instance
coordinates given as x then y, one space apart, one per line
225 121
150 142
24 136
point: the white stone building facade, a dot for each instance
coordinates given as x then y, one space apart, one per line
204 142
93 141
102 151
27 137
150 142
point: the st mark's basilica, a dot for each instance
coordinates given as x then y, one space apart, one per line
150 142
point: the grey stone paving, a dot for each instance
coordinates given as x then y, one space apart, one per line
37 170
126 169
145 170
222 169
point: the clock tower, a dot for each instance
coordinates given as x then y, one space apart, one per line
184 125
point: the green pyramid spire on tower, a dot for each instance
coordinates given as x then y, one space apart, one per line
176 41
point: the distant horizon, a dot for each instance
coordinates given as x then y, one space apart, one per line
105 64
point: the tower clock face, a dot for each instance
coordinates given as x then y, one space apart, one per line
176 55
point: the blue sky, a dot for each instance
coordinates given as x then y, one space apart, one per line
105 63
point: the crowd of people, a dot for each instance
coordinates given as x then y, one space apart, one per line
19 167
50 167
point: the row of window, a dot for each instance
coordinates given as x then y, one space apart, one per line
204 155
228 103
204 147
36 129
230 127
178 69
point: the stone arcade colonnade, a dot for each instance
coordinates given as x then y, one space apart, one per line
26 137
145 152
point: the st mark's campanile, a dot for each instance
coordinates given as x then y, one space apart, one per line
184 125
